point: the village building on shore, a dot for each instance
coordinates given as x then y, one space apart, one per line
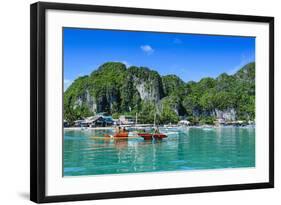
99 120
102 120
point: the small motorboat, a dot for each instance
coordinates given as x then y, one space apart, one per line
145 136
159 136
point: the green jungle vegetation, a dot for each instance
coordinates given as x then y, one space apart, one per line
118 90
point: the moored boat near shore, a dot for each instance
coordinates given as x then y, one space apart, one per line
148 136
159 136
145 136
121 135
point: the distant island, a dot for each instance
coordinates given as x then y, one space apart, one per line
117 90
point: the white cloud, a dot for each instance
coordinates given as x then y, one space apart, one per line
66 83
147 49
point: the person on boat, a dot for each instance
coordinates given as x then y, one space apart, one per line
156 131
124 129
117 129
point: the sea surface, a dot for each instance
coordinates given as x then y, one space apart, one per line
87 152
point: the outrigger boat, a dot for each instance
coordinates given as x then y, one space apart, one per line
156 135
145 136
148 136
121 135
159 136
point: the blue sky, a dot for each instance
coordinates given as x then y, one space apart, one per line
189 56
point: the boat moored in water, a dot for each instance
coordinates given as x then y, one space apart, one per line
148 136
145 136
121 135
159 136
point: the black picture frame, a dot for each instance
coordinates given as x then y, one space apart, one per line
38 101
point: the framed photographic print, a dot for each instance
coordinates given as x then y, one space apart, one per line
129 102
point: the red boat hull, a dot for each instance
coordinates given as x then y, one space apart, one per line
145 136
159 136
121 135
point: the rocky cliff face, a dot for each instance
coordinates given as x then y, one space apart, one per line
147 82
114 88
87 99
228 114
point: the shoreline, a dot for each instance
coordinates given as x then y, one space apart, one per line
88 128
161 127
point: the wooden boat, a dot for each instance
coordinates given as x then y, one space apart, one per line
121 135
145 136
159 136
148 136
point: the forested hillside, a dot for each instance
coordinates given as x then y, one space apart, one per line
116 90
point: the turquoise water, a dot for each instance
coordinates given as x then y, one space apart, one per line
191 149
